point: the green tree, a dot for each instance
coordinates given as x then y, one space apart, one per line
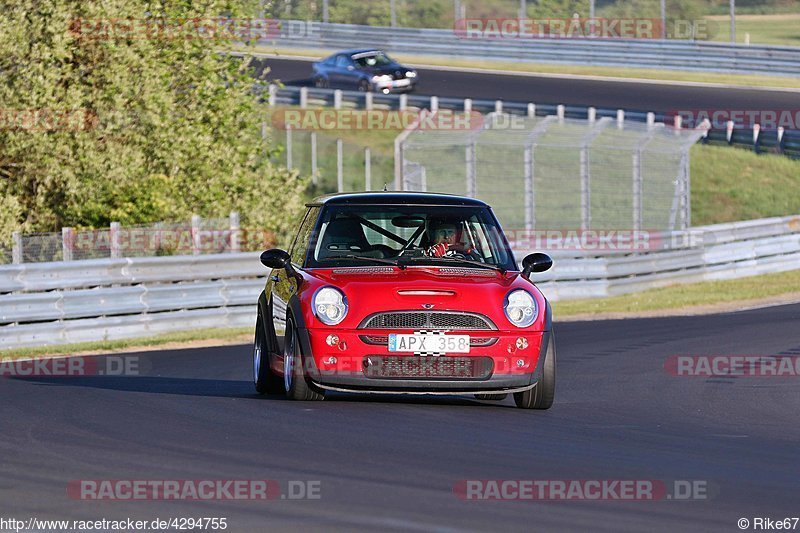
129 123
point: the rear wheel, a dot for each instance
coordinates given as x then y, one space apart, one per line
541 396
320 82
266 381
295 382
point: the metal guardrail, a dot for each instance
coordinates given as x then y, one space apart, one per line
641 53
108 299
786 142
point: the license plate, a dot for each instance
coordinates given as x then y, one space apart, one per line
400 83
428 343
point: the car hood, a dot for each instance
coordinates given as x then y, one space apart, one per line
386 69
376 289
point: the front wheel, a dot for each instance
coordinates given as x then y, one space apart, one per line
266 381
295 382
542 395
364 86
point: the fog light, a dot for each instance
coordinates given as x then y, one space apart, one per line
386 91
522 343
520 363
332 340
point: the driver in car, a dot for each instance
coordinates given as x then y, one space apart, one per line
446 239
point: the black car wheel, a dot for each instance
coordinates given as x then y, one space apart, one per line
266 381
541 396
295 382
320 83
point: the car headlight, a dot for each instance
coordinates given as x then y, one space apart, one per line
330 306
520 308
383 77
411 74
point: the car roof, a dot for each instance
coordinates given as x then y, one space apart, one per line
394 197
354 51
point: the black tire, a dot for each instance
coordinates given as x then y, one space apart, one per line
295 383
542 395
496 397
364 86
320 83
266 381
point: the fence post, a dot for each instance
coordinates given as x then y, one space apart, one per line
470 169
591 115
498 106
273 94
531 110
314 157
67 237
113 238
16 248
651 119
367 169
467 105
234 226
368 101
585 200
530 202
560 112
337 99
637 189
288 146
620 118
403 102
339 172
303 97
434 104
195 234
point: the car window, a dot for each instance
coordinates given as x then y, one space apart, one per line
342 61
330 60
372 59
300 245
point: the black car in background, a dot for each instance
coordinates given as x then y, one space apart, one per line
365 70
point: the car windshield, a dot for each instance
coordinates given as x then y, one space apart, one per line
372 59
408 235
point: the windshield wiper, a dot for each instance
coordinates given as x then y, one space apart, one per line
362 258
465 262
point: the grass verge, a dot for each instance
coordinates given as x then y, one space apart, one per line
689 298
779 82
783 29
205 337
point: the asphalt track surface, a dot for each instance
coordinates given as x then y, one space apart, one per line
583 92
392 462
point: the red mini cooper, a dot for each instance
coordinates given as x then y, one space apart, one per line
410 293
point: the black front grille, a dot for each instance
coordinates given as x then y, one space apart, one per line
418 367
449 320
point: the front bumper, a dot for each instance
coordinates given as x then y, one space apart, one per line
344 366
402 85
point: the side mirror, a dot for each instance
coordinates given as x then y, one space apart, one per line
275 258
537 262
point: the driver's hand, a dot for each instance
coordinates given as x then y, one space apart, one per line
437 250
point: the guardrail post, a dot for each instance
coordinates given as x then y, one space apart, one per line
434 104
113 238
403 104
756 131
620 118
531 110
498 106
678 123
233 219
781 144
467 105
337 99
339 172
16 248
560 112
367 169
729 131
368 101
67 238
651 119
273 94
195 234
314 169
303 97
591 115
289 146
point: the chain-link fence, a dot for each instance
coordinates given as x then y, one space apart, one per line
191 237
557 173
